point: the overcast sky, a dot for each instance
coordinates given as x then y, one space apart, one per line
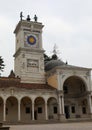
68 24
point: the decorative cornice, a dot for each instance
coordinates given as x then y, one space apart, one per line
25 23
28 50
69 67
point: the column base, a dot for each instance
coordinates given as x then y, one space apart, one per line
61 117
91 115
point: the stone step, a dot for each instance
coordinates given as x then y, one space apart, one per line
48 121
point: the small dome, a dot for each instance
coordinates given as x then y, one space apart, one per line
53 63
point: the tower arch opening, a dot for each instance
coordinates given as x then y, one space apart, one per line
74 86
75 93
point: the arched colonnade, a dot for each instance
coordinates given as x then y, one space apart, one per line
27 109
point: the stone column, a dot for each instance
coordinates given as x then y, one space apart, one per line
19 115
61 108
58 78
62 98
78 107
90 104
46 111
60 112
4 111
32 110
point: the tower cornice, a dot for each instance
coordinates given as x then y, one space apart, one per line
28 50
28 24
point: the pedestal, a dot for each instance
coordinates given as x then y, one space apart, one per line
61 117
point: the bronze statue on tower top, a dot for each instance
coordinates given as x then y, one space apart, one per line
28 17
35 18
21 15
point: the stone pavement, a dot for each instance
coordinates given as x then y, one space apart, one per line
58 126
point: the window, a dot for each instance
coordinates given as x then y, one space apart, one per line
55 110
73 109
27 110
84 110
39 109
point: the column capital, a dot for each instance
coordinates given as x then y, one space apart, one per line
4 101
46 101
33 103
60 92
19 100
62 96
33 100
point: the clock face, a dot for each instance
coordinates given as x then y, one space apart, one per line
31 40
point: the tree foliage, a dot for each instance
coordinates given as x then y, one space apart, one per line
46 58
54 57
1 64
49 58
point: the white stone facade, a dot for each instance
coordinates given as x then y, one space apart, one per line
29 60
15 101
61 93
75 86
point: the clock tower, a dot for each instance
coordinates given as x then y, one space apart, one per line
29 54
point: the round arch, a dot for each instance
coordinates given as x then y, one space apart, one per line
38 99
74 84
39 108
25 97
52 108
75 89
77 77
26 108
11 109
52 98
